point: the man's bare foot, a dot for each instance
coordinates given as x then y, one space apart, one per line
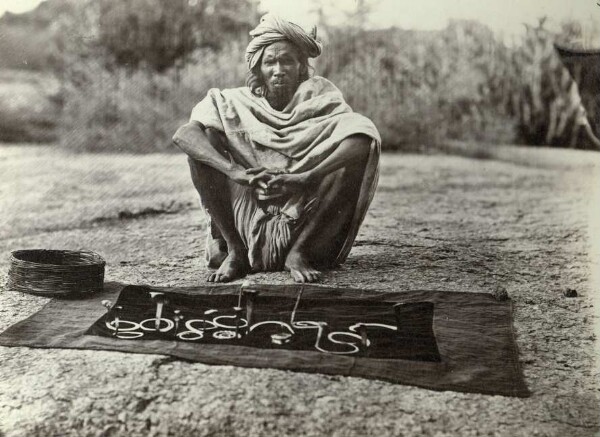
233 267
216 252
300 269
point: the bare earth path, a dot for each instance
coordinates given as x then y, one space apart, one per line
437 222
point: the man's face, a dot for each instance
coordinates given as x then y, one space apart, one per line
280 67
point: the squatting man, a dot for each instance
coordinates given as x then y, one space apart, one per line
284 168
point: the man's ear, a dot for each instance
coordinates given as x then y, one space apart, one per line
303 71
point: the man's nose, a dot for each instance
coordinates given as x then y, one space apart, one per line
278 70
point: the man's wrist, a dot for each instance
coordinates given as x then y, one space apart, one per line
237 174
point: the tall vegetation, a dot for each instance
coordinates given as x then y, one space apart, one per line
459 83
544 98
160 35
423 87
132 71
136 68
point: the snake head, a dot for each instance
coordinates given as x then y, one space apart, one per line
156 295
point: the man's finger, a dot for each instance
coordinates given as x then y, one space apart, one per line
254 179
274 181
259 180
254 170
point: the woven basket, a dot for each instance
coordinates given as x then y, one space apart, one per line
56 272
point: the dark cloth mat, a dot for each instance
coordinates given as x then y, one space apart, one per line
412 339
473 332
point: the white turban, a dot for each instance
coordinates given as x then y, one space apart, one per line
272 29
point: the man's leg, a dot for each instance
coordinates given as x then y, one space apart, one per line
212 186
324 233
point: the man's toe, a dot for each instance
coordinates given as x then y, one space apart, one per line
314 275
297 275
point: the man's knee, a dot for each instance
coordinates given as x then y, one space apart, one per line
356 149
362 144
189 132
360 140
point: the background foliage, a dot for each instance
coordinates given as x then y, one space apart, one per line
130 72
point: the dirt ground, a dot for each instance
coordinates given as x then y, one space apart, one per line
521 219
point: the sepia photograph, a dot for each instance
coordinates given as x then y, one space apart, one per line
299 218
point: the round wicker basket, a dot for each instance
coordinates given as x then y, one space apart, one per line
56 272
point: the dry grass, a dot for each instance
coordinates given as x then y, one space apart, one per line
45 189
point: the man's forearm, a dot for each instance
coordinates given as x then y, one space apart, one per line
192 139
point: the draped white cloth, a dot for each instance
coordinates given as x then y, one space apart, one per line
296 139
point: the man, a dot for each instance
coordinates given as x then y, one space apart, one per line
284 169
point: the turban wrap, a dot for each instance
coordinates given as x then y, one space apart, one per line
272 29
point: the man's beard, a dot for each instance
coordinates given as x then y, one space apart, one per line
279 97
